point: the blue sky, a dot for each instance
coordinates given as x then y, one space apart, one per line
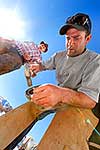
43 19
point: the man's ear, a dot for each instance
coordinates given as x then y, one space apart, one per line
88 38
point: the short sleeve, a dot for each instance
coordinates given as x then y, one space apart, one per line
50 63
91 80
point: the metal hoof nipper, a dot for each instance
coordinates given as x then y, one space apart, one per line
30 91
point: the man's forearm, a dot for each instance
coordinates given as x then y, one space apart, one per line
77 99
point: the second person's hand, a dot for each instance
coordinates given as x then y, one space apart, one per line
35 68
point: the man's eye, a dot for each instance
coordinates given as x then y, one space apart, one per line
76 38
68 38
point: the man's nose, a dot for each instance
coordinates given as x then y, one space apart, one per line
71 41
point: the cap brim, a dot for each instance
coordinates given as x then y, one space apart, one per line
64 28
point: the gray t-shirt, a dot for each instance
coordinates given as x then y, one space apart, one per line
80 73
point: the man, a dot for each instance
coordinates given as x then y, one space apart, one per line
14 54
77 69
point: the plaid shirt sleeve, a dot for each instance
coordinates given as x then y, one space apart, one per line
30 51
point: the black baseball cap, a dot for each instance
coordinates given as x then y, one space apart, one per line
79 21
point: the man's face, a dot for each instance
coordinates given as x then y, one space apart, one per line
76 41
42 47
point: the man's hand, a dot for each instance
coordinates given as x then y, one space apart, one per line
35 68
47 95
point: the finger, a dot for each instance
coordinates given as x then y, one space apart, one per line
36 98
33 74
33 71
34 66
41 88
38 91
43 104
